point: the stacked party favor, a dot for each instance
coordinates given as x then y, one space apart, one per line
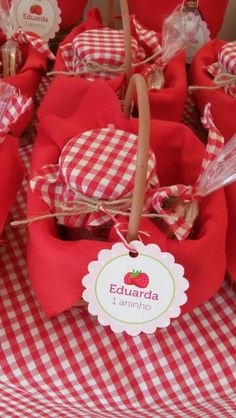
82 182
92 51
23 59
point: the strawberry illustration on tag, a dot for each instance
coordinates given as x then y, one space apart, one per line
137 278
36 9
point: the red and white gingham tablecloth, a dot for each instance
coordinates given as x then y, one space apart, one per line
70 366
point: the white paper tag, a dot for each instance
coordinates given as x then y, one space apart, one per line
202 36
135 294
41 17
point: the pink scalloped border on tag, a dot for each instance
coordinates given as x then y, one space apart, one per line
41 17
135 294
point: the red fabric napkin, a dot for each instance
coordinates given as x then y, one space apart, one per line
223 106
11 174
27 81
230 192
71 11
179 154
151 13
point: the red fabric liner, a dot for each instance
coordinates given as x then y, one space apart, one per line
167 103
151 13
11 174
56 267
27 81
71 11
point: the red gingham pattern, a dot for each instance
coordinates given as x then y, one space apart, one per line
225 66
41 46
98 164
190 117
42 89
178 224
105 46
146 37
70 366
227 57
12 105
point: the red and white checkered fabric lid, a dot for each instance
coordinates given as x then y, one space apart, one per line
100 165
12 105
105 46
191 193
225 66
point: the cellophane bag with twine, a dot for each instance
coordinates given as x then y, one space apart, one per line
180 204
176 36
12 105
178 154
24 61
166 75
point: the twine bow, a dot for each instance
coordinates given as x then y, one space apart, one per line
94 67
222 79
88 205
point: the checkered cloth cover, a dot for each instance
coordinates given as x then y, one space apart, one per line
70 366
99 164
178 224
225 66
12 105
105 46
41 46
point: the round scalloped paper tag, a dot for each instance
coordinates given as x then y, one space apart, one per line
41 17
135 292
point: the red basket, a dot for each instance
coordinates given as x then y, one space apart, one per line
179 154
